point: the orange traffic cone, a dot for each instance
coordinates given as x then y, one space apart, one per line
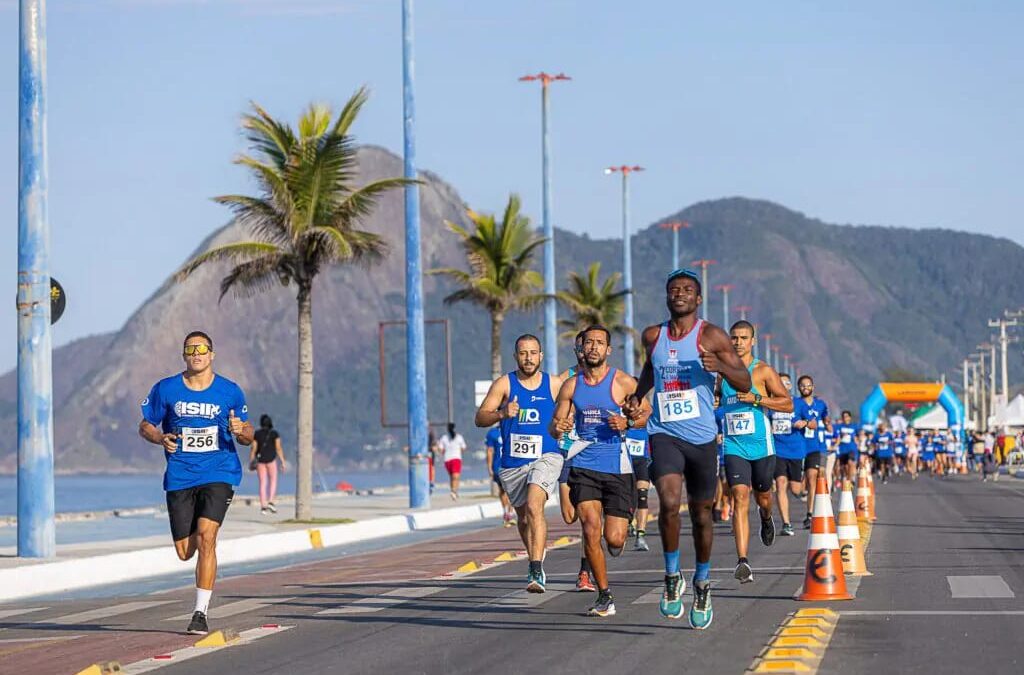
823 577
871 499
863 495
850 548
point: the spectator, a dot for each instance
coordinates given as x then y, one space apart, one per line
451 446
266 452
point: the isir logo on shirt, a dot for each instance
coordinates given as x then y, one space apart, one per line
529 416
195 409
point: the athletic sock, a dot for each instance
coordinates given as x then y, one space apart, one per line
742 560
642 532
584 565
536 566
671 562
203 600
703 572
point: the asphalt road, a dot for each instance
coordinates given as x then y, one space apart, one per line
937 546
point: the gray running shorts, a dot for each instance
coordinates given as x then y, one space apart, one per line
543 472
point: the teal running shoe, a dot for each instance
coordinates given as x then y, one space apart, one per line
535 582
701 613
671 605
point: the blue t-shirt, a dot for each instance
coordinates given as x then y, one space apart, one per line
206 450
847 434
789 442
814 439
883 444
493 441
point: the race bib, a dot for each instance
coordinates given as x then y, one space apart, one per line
635 447
809 432
200 439
845 438
526 446
782 425
677 406
883 444
739 423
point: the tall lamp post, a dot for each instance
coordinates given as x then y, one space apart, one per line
703 265
743 309
675 227
416 360
725 288
627 261
550 308
768 348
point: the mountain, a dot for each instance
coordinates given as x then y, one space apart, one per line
846 301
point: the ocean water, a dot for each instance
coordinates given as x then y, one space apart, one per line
105 492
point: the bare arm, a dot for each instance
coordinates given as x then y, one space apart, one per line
623 389
562 420
775 395
646 381
252 450
490 461
491 410
280 452
718 356
157 437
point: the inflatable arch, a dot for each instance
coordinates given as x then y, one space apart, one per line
912 392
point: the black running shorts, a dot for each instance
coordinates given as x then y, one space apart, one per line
698 464
848 458
756 473
790 469
814 460
642 469
186 507
615 491
883 461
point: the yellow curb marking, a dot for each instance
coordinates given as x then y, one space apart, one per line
505 557
471 566
315 539
788 653
814 622
219 638
816 611
101 668
561 541
802 641
782 667
803 631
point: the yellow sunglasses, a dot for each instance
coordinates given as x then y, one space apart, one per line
201 350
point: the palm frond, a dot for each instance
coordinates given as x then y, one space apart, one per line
254 276
241 250
351 111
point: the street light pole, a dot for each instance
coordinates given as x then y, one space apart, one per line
627 262
416 360
725 288
703 265
743 309
675 227
36 533
768 348
967 398
550 305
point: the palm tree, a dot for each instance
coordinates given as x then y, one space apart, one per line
500 277
592 301
303 219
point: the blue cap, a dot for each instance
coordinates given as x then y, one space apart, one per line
683 272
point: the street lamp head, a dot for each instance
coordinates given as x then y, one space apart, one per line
724 287
674 225
623 169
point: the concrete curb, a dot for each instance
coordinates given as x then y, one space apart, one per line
46 578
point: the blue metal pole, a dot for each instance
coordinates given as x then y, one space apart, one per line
550 313
675 249
725 308
416 360
36 534
627 274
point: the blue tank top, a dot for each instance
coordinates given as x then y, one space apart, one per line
744 425
606 452
526 438
684 404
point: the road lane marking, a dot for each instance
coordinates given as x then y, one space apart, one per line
660 571
6 613
932 612
992 586
103 612
233 608
186 653
799 644
387 600
523 599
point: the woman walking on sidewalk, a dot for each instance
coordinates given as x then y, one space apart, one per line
265 453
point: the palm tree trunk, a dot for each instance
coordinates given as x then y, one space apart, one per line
304 453
497 319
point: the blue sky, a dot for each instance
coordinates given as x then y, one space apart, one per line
854 112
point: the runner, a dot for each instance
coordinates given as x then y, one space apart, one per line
883 442
789 462
198 416
829 440
913 450
683 356
602 486
749 445
899 451
493 443
522 402
452 445
939 442
722 510
638 449
847 446
928 451
809 415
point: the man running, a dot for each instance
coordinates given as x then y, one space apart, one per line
198 416
601 482
638 449
847 446
493 444
523 402
883 442
809 415
749 445
684 354
789 461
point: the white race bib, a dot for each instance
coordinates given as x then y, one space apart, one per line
677 406
782 425
635 447
739 423
808 432
845 438
200 439
526 446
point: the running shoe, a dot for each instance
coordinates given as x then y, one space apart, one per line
641 542
671 605
631 530
807 522
198 625
768 531
584 582
535 582
273 509
264 511
604 606
716 515
787 530
701 613
743 572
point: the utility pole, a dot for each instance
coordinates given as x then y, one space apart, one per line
550 304
777 359
675 227
967 399
725 288
703 265
768 348
983 394
627 262
743 309
1004 340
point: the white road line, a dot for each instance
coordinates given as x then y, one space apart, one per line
651 597
931 612
384 601
523 599
5 613
103 613
179 655
233 608
40 639
993 586
660 571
